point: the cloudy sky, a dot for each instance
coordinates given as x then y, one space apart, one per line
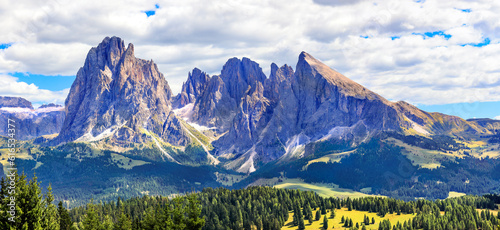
439 55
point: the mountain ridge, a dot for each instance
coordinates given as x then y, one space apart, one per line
241 116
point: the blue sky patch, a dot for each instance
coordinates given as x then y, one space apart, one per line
395 37
433 34
466 110
365 37
485 42
465 10
5 45
150 13
53 83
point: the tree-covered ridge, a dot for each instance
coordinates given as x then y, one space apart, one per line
249 208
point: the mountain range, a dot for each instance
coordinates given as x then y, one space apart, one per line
239 126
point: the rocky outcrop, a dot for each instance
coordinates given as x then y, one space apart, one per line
192 88
120 96
220 102
29 123
15 102
252 119
278 76
313 103
50 105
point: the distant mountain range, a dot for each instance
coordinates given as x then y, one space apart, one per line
237 122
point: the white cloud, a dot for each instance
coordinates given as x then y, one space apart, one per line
10 86
53 38
497 118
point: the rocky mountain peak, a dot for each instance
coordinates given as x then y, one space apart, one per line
278 76
50 105
119 96
15 102
108 52
195 84
241 77
311 70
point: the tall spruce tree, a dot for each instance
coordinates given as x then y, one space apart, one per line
50 218
178 217
193 211
91 219
107 223
124 222
65 222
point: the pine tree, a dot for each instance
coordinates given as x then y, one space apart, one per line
165 217
350 222
65 222
325 222
318 215
107 223
124 223
342 220
363 227
332 213
150 220
194 221
31 204
3 190
357 225
178 217
373 220
302 226
50 219
90 220
4 200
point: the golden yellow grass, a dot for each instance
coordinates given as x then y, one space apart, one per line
423 157
452 194
324 190
334 157
356 216
21 154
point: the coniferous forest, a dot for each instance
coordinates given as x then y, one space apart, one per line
249 208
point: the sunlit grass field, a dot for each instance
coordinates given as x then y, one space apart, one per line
356 216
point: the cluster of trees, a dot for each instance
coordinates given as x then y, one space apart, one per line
387 171
257 207
436 142
31 209
251 208
35 210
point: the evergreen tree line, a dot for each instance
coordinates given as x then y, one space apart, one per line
249 208
33 209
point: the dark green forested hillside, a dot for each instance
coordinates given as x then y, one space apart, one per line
221 208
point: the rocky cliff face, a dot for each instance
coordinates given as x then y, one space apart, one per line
192 88
15 102
222 99
311 104
120 96
30 123
248 118
263 120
